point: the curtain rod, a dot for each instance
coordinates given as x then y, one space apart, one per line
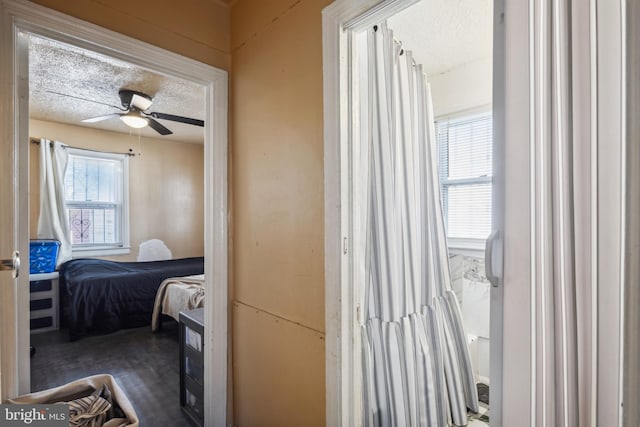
130 153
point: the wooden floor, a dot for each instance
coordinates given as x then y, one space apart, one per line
144 364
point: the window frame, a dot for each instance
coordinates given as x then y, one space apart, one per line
101 249
473 247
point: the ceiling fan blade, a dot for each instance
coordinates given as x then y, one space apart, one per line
101 118
180 119
158 127
84 99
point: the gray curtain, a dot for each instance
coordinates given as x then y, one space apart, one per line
416 364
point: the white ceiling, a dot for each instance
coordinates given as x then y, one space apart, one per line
444 34
56 68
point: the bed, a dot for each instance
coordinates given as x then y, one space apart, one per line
177 294
99 296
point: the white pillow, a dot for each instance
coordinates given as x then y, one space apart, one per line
153 250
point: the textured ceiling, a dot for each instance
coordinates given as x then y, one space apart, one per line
444 34
57 69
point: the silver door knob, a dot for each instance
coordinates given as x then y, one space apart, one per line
12 264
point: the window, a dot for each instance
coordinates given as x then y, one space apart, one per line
465 160
96 196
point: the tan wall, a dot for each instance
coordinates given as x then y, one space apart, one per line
278 311
166 185
198 29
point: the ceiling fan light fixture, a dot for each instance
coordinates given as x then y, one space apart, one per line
134 119
133 113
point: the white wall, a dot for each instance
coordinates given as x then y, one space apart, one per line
464 88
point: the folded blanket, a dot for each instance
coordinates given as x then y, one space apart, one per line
177 294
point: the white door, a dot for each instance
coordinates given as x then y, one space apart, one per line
14 292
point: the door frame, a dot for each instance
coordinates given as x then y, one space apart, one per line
21 16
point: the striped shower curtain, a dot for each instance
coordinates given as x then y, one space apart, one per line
416 364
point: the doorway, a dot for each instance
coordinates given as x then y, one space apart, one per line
45 23
344 243
122 186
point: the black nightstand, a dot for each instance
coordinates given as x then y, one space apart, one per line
192 364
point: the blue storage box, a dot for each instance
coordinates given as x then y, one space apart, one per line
43 255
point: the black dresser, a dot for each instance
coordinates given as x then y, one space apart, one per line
43 304
192 364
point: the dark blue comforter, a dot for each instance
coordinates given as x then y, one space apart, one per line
99 296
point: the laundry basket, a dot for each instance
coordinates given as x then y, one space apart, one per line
82 388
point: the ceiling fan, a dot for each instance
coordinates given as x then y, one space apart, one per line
134 113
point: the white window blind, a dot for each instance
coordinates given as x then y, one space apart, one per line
465 160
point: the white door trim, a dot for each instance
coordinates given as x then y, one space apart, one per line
20 15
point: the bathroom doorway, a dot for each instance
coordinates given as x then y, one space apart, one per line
461 80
